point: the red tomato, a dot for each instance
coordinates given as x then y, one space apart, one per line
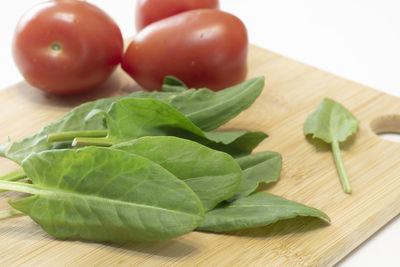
203 48
149 11
66 46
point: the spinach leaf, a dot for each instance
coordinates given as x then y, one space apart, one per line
131 118
102 194
207 109
214 176
333 123
260 167
258 209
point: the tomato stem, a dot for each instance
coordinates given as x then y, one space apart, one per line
71 135
55 48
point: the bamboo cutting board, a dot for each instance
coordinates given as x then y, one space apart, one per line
292 91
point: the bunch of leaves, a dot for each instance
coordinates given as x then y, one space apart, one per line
205 108
158 172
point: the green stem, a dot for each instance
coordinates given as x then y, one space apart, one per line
344 179
83 141
8 214
16 175
19 187
71 135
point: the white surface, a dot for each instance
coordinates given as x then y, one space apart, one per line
358 40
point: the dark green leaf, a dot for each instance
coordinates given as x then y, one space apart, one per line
331 122
258 209
209 110
114 196
214 176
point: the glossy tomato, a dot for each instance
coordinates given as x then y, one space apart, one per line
203 48
149 11
66 46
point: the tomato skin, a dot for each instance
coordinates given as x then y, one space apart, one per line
149 11
203 48
66 46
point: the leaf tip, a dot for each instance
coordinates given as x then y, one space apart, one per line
325 217
4 147
93 113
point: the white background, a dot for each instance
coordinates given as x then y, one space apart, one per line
355 39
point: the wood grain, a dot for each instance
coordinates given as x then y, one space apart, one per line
292 91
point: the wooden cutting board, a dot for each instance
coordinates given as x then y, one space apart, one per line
292 91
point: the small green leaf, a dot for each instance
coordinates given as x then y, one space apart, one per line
333 123
103 194
258 209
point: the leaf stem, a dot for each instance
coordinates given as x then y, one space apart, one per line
19 187
344 179
88 141
9 214
16 175
71 135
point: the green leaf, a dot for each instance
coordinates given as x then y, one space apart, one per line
257 168
333 123
214 176
131 118
209 110
258 209
102 194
